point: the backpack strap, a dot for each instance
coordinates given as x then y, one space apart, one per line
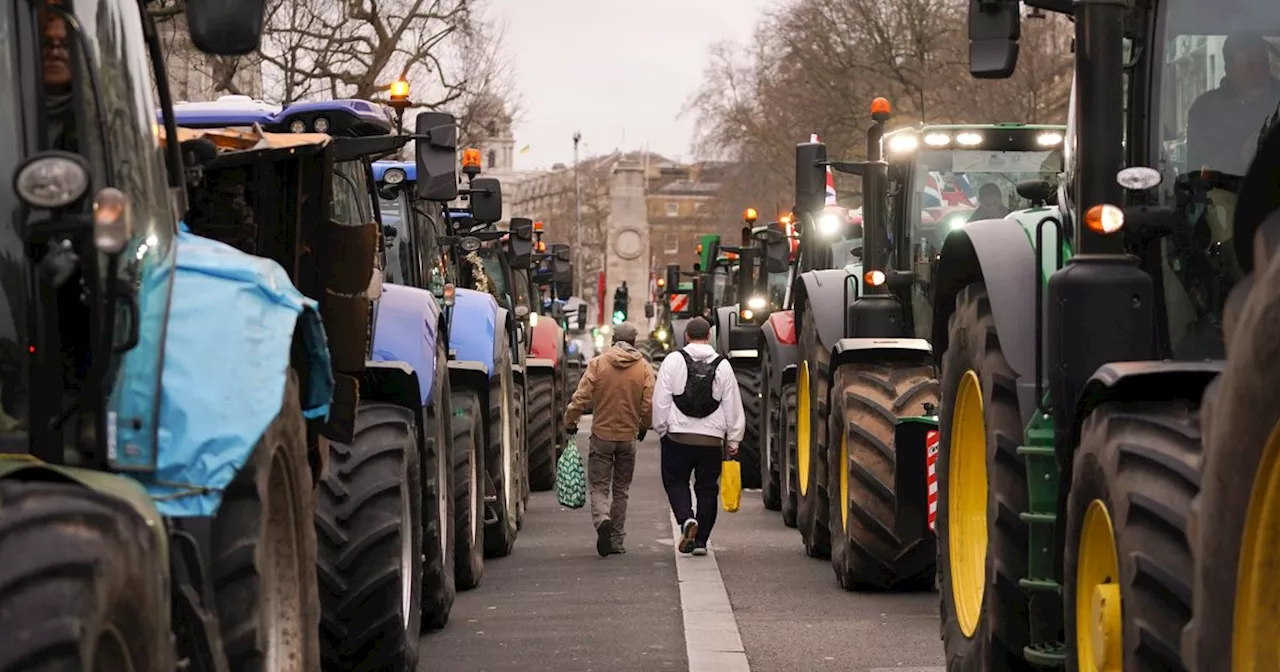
688 359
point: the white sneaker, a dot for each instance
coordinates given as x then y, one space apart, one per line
688 532
700 550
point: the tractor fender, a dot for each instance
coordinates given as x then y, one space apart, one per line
471 375
213 410
1142 381
781 354
783 324
998 253
880 349
473 328
393 382
726 317
825 289
677 332
128 490
539 364
547 341
407 326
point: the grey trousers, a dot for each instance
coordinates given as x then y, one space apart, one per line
610 466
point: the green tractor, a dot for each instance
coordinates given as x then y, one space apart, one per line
758 270
1084 522
873 425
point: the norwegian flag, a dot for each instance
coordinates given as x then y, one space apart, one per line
831 178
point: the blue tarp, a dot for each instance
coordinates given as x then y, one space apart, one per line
226 359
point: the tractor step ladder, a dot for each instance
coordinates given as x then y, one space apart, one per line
1042 500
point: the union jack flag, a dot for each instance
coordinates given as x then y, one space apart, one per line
956 191
831 178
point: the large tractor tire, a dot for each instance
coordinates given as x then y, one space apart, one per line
1134 475
770 451
502 460
85 583
264 541
980 558
750 379
867 399
519 411
788 484
369 518
542 431
438 571
1235 519
468 489
813 501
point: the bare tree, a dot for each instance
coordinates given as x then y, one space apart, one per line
814 66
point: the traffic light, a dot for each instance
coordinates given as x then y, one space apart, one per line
620 301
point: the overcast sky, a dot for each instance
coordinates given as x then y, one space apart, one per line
612 69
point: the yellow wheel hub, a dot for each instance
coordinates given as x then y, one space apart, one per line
1099 627
802 428
844 482
967 503
1255 647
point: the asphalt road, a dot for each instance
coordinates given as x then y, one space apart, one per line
554 605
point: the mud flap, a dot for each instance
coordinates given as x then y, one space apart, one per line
915 443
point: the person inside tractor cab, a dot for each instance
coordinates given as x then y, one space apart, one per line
990 203
57 76
1223 124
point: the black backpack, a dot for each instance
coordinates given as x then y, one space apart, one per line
698 400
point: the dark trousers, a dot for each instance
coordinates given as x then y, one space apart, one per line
703 463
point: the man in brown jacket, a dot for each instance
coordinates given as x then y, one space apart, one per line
620 382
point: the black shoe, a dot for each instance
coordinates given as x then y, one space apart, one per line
617 550
604 538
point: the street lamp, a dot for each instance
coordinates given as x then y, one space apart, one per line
399 95
577 213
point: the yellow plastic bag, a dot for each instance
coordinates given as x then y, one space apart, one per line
731 485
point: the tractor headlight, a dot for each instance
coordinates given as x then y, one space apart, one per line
533 319
297 126
393 176
756 303
969 139
828 224
322 125
957 221
903 144
747 314
661 335
52 180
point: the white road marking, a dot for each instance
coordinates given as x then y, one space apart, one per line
712 641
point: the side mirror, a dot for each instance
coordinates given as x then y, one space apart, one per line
486 200
226 27
520 243
811 174
436 155
994 29
648 310
1037 191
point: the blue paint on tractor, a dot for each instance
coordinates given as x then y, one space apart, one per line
406 330
475 321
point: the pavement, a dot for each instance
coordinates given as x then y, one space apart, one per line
755 604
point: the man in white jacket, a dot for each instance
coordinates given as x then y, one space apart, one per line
696 411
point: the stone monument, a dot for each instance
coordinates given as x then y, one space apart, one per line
627 236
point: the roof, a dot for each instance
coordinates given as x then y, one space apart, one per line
238 139
361 117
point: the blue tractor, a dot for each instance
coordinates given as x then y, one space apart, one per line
383 505
162 391
485 361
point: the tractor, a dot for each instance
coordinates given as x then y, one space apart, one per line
758 269
402 404
1102 500
481 260
164 394
876 425
545 371
420 255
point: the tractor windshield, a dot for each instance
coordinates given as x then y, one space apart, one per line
403 264
351 205
953 187
1218 85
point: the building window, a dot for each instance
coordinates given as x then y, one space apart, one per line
673 209
671 244
493 159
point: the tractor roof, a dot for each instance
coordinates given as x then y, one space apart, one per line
344 117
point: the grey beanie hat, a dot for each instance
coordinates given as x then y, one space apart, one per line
625 333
